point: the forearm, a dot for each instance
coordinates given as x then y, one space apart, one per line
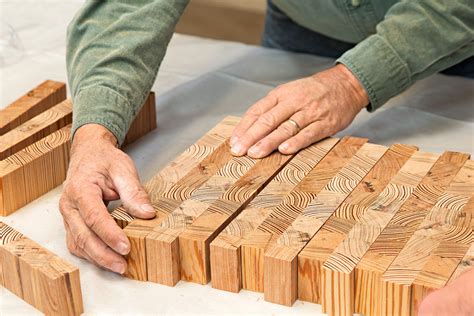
114 50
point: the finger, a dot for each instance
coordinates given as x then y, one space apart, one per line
285 131
251 115
71 245
307 136
95 215
134 197
263 126
92 247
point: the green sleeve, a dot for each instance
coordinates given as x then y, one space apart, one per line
114 50
415 39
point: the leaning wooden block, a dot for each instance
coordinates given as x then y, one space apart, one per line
38 127
36 101
38 276
225 249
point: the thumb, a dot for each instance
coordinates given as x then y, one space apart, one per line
134 197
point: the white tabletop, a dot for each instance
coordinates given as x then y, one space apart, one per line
199 83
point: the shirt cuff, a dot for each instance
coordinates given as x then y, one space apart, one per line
379 69
103 106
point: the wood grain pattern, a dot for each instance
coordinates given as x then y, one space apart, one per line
144 122
225 249
280 263
194 241
34 102
38 127
38 276
400 227
254 245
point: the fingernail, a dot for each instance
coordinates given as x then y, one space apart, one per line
118 267
237 149
255 151
233 140
147 208
123 248
284 147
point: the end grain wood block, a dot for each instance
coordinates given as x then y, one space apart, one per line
38 127
399 229
175 170
38 276
195 240
281 257
225 255
256 242
33 171
36 101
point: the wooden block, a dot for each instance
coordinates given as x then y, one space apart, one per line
166 197
36 101
401 224
144 121
434 250
281 256
254 244
38 127
225 248
466 264
189 159
34 170
38 276
337 227
194 241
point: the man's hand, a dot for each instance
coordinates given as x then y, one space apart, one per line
457 298
318 106
100 172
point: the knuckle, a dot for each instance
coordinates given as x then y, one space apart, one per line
286 129
92 219
80 240
268 120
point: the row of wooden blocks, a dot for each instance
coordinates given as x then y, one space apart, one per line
35 142
355 226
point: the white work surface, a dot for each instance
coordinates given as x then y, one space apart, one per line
199 83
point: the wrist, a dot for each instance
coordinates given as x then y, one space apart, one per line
359 95
90 132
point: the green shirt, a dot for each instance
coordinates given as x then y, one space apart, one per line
114 48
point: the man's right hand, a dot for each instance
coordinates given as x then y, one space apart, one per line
100 172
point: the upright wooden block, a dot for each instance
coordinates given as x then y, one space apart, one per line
194 241
38 127
399 227
39 277
36 101
225 257
281 257
281 217
144 122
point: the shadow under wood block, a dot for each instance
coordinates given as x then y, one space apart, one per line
36 101
38 276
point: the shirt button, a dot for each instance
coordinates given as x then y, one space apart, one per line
355 3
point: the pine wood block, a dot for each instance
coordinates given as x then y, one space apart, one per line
346 216
38 127
400 227
144 122
36 101
34 170
225 248
281 257
38 276
254 244
162 247
189 159
194 241
443 237
182 190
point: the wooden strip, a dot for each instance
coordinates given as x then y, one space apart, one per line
344 219
399 227
36 101
225 248
34 171
281 256
194 241
175 170
144 122
255 243
443 235
38 276
38 127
